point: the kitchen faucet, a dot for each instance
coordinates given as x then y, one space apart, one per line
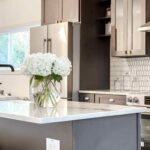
7 65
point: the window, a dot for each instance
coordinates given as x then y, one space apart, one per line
14 47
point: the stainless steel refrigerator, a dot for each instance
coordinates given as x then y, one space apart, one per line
62 39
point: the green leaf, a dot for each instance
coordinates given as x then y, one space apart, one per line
39 77
37 80
36 83
56 77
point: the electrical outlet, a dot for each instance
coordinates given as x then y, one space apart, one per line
52 144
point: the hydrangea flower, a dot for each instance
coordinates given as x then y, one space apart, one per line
62 66
39 64
46 64
46 69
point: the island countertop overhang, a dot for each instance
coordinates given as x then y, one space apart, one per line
27 111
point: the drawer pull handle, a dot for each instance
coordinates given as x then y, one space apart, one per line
86 98
130 51
111 100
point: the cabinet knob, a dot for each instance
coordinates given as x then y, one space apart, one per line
86 99
111 100
130 51
126 52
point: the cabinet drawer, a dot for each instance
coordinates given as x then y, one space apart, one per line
85 97
110 99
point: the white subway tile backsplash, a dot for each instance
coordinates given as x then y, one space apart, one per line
135 67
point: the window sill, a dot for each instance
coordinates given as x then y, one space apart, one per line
8 72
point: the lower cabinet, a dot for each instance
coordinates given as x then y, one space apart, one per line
103 98
110 99
86 97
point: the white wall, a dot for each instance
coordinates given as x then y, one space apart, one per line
16 84
17 13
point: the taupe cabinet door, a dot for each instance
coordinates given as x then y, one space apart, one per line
71 10
136 18
127 17
119 27
60 11
52 11
38 39
58 39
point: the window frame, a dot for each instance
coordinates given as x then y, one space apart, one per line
10 32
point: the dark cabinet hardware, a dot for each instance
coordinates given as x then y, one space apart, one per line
49 50
44 45
130 52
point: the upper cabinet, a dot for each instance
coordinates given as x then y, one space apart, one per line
127 17
71 10
60 11
119 30
51 11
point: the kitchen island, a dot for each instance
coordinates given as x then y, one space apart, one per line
75 126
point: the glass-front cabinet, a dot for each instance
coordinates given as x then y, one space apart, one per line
127 17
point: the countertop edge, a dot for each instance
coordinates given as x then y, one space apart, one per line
47 120
104 92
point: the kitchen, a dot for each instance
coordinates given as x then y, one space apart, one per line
104 43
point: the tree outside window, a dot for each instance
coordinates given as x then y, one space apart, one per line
14 48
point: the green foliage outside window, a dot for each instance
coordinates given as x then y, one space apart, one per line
3 48
14 47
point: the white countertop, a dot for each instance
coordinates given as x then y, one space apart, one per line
65 111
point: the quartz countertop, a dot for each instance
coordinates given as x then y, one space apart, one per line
65 111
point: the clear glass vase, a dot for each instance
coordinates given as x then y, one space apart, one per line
46 94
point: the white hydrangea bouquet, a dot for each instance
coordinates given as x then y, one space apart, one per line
46 70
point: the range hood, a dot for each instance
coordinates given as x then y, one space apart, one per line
145 27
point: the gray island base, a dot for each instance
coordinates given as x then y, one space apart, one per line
100 131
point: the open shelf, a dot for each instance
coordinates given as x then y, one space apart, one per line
106 18
104 35
102 1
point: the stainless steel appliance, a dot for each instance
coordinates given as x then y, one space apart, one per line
142 99
62 39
